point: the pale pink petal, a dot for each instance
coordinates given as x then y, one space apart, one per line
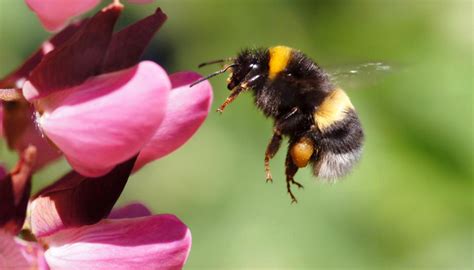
154 242
108 119
141 1
54 14
132 210
18 254
187 109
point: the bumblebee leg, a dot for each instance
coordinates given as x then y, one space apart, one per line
290 172
272 149
229 99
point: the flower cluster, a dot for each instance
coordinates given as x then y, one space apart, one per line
86 95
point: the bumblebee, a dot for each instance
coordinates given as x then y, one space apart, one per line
317 117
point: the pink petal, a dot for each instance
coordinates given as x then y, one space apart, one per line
18 254
108 119
132 210
54 14
187 109
154 242
76 60
15 191
75 200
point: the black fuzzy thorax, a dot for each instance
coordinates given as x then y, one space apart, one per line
302 84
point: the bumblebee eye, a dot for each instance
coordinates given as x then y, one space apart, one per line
254 66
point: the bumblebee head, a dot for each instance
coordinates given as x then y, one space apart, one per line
250 67
246 70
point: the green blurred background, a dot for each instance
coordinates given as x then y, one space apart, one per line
407 205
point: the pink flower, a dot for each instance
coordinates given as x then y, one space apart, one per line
17 124
55 14
70 219
102 107
72 227
129 240
109 113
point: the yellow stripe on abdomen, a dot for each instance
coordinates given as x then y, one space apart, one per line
279 58
333 109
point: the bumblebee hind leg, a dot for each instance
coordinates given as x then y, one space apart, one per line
290 172
272 149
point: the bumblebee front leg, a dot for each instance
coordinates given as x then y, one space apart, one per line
290 172
245 85
233 95
272 149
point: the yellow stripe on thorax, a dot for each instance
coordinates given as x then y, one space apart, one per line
333 109
279 58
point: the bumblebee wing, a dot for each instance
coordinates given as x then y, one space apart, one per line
361 76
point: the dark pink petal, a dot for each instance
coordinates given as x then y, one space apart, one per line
18 254
132 210
75 200
127 46
54 14
79 58
108 119
154 242
1 120
15 120
21 131
20 75
3 171
187 109
47 152
15 191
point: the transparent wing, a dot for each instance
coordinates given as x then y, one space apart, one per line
360 76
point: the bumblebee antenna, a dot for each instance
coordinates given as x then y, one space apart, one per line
212 75
215 62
